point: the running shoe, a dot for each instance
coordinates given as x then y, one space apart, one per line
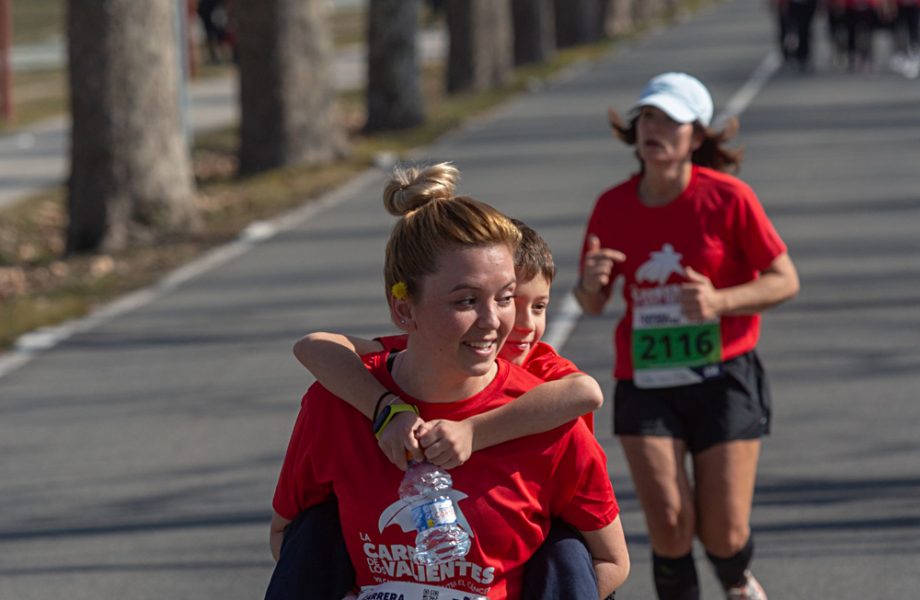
749 590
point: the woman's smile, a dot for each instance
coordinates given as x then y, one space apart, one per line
461 319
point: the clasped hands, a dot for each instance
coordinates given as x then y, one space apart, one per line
441 442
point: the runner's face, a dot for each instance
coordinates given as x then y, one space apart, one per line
531 299
465 311
661 140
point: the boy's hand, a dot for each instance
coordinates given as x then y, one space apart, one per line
447 444
399 440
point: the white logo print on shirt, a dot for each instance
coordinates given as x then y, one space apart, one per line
400 513
660 266
387 561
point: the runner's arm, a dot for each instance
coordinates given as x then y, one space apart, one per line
335 361
776 284
548 405
610 555
596 276
591 302
545 407
276 533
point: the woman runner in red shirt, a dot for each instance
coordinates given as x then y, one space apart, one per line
699 260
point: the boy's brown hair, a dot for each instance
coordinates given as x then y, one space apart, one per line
533 255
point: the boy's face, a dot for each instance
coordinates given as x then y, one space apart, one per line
531 299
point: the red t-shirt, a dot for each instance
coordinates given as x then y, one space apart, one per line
393 342
716 226
543 361
505 495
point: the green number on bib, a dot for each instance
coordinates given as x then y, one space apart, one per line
678 346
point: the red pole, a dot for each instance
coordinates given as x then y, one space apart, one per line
6 69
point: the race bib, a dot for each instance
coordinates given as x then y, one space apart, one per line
406 590
668 350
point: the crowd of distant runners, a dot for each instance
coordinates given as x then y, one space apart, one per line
853 26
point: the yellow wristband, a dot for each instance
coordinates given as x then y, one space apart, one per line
387 413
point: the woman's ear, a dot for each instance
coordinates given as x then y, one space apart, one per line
401 314
612 119
699 136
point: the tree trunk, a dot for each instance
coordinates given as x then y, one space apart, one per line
647 10
130 172
394 90
618 17
287 92
534 31
578 22
481 49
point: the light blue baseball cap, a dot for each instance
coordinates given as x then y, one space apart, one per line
682 97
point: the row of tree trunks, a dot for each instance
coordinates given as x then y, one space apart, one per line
534 31
622 16
394 90
286 88
130 169
130 172
618 17
578 22
542 26
480 55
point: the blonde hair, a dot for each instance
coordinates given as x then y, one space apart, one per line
434 221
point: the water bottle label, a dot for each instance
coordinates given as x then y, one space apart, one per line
435 513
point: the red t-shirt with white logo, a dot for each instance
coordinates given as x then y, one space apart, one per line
505 496
543 361
717 226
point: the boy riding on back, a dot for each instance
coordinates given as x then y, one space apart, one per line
562 567
567 394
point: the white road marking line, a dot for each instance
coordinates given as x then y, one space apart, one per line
33 343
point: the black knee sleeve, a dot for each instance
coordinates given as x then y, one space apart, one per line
675 578
730 571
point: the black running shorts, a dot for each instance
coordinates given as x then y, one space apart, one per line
735 406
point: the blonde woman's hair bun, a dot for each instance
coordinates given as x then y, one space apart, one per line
412 187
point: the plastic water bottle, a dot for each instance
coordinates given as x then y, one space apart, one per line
426 488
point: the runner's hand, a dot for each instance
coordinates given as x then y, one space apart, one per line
699 300
399 440
447 444
598 265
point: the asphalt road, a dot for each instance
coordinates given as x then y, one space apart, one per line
139 455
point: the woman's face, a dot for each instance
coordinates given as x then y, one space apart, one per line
464 311
662 140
